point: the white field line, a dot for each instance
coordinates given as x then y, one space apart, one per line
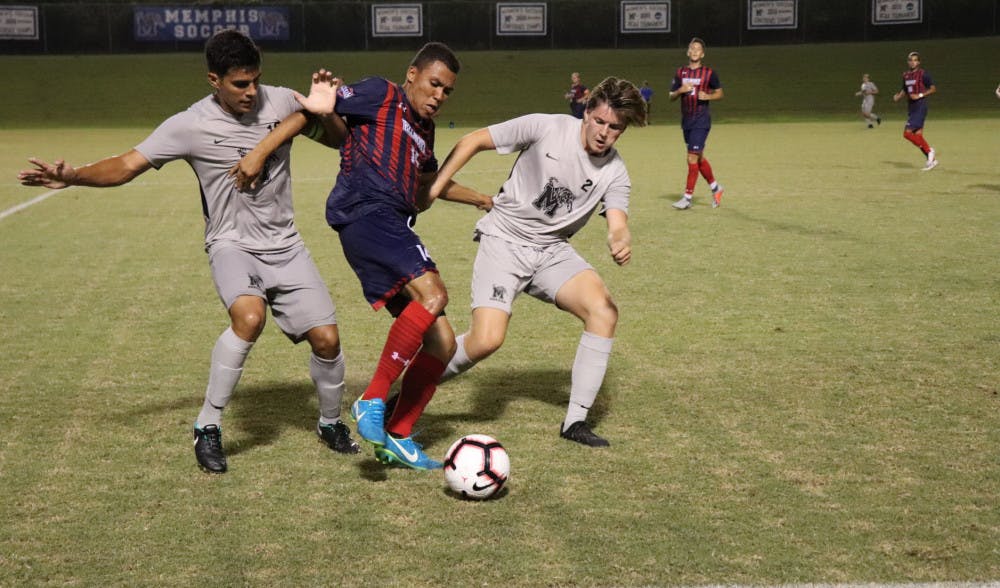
18 208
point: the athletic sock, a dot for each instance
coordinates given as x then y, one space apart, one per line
692 179
328 376
228 356
459 363
404 340
418 388
706 171
589 368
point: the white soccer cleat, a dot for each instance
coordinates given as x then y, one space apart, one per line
683 204
931 161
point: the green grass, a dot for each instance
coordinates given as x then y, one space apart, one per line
804 386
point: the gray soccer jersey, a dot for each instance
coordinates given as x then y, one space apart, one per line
555 184
212 141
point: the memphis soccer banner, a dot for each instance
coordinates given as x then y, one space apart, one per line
890 12
193 23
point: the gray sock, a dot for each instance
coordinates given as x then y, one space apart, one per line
228 356
459 363
328 376
589 368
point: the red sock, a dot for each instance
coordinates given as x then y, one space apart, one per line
419 384
918 140
706 171
692 178
404 340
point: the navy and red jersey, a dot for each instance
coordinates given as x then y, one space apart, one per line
386 150
917 82
694 112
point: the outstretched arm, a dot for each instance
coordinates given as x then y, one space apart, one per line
111 171
619 237
460 155
320 102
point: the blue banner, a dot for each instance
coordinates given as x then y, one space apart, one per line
188 23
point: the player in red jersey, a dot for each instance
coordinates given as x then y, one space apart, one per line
917 86
696 85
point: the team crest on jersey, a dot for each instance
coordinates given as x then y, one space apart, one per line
345 92
265 172
553 197
499 294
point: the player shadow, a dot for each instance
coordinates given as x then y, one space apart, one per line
901 164
989 187
494 388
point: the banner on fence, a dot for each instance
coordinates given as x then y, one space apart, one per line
185 23
19 22
645 17
888 12
772 14
521 18
397 20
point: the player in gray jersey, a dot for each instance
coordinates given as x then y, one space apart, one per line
256 254
565 170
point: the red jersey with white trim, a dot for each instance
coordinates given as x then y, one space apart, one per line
386 150
694 112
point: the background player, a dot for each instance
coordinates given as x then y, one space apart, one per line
577 95
867 92
647 95
256 255
565 170
917 86
696 85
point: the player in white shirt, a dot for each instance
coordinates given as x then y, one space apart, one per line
256 254
867 92
565 170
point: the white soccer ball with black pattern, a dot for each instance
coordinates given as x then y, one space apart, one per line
476 466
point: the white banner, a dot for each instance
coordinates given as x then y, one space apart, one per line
897 11
645 17
19 22
397 20
772 14
522 19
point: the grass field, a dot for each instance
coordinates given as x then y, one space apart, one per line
805 385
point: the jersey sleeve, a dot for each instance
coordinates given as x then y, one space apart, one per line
361 99
517 134
620 188
171 140
713 81
928 81
676 83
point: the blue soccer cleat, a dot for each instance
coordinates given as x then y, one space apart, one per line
407 452
370 417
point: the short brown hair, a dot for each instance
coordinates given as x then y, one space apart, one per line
435 51
623 97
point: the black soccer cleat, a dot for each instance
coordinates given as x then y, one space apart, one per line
337 437
581 433
208 449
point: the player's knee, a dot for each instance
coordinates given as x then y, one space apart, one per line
325 341
482 344
602 316
248 324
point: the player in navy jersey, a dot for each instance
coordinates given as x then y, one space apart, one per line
696 85
917 86
387 164
577 95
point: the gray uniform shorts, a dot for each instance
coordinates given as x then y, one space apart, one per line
289 282
503 270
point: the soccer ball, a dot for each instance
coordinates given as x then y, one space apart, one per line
476 466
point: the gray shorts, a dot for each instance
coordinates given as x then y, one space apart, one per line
289 282
503 270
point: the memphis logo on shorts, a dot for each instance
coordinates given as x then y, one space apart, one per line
499 293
